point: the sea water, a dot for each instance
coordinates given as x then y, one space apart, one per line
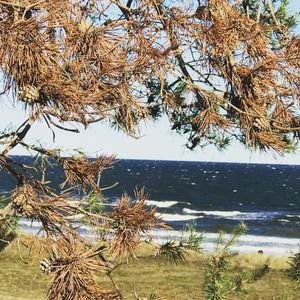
213 196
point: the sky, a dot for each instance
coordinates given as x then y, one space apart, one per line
157 141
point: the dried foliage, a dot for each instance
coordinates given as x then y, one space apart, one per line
52 212
217 68
79 170
73 268
131 220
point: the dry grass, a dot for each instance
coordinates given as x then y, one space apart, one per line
174 281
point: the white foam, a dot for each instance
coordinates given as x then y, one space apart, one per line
222 213
213 212
234 215
260 239
190 211
283 220
177 217
161 203
247 243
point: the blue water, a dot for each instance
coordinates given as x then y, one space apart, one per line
213 195
266 197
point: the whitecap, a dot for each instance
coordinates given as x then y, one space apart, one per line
283 220
218 213
177 217
293 216
190 211
232 215
161 204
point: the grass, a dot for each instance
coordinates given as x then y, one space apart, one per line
146 275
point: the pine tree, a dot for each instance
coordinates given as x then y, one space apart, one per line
221 282
219 70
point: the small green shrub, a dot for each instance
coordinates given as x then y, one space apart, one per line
294 269
220 280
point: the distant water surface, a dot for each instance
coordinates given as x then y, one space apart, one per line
213 195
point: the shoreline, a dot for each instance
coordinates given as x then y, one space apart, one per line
248 243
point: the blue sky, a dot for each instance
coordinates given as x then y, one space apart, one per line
157 140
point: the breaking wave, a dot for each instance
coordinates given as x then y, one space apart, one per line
235 215
161 204
213 212
177 217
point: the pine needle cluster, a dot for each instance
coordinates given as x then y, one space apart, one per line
176 251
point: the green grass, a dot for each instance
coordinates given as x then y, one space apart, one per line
181 281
